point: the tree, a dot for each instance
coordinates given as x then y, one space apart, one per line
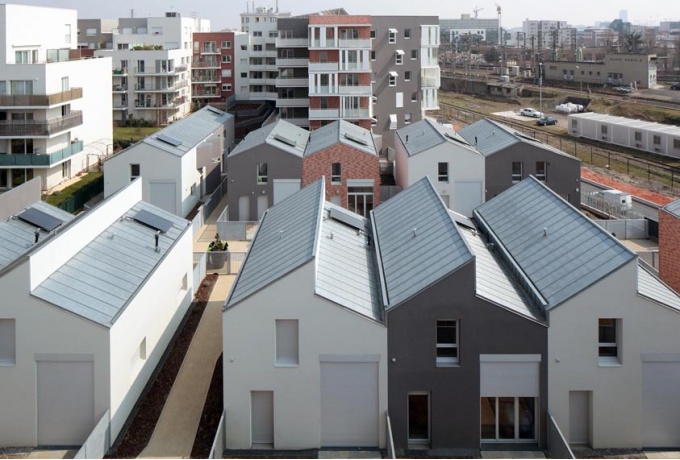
492 55
633 42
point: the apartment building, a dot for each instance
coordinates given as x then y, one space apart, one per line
151 67
212 69
549 34
292 61
486 29
94 34
55 109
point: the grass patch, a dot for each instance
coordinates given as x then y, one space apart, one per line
125 133
58 198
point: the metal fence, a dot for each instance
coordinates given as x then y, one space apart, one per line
219 443
626 229
235 230
98 443
78 199
585 151
199 269
558 447
597 203
224 262
208 206
651 258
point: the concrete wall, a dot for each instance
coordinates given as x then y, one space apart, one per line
15 200
242 173
563 172
616 402
669 249
454 391
249 352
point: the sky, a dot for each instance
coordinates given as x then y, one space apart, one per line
225 13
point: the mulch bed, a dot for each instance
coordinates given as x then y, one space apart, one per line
151 405
210 418
638 191
608 453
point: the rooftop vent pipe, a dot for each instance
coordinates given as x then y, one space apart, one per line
545 231
157 237
37 236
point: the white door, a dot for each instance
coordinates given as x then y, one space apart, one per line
65 393
244 208
262 205
467 196
660 404
579 417
162 194
262 416
349 404
283 188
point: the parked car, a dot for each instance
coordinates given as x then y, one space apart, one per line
529 112
546 121
623 89
676 87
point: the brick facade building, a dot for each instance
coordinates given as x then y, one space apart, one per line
669 244
212 70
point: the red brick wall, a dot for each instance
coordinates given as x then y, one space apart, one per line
340 19
355 165
669 249
333 55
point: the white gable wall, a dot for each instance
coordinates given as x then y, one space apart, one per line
647 327
249 338
189 176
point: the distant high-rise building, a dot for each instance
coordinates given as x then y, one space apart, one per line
623 15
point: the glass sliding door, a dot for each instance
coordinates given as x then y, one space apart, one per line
508 419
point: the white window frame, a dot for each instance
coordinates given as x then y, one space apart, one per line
399 57
287 353
392 36
447 361
517 178
442 176
336 178
544 176
392 79
407 118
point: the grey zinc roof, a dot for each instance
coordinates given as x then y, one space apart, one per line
17 237
285 240
280 135
495 282
651 287
189 131
418 241
673 208
559 249
341 131
98 282
426 134
345 272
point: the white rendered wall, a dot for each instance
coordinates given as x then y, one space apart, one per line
647 327
189 176
400 164
249 337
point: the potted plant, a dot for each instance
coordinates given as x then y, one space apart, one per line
217 253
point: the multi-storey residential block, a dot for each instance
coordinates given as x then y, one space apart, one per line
95 34
486 29
292 61
549 34
151 67
212 69
55 109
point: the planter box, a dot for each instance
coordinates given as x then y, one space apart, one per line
216 260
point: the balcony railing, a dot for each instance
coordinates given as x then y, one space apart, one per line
355 67
206 79
120 72
180 68
342 43
293 102
354 113
119 88
149 87
323 114
292 82
290 62
210 50
204 64
41 159
154 71
40 100
291 42
15 128
323 66
355 90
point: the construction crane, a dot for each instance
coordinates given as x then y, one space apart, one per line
498 9
477 9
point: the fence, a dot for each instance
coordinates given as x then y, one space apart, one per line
584 151
599 204
78 199
558 447
224 262
199 269
219 444
390 442
650 257
98 443
626 229
208 206
235 230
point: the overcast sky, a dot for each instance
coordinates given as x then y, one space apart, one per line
225 13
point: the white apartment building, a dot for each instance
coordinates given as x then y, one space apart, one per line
55 108
548 33
152 67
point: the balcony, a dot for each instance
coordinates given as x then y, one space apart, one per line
359 43
292 82
40 100
355 90
123 71
323 114
120 88
210 50
355 114
154 105
290 62
41 159
162 87
291 42
34 128
205 94
355 67
206 65
321 90
181 68
293 102
323 67
159 71
206 79
429 83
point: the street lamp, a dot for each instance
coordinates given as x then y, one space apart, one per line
581 79
540 87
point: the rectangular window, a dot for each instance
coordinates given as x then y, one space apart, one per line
656 140
676 143
372 55
393 78
407 33
407 75
447 342
287 342
372 33
392 37
414 54
608 340
603 129
21 87
638 136
262 173
134 172
226 44
3 87
360 200
90 32
443 172
414 96
516 171
541 171
8 353
574 123
336 173
407 118
399 57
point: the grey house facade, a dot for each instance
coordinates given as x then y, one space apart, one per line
265 168
456 322
512 156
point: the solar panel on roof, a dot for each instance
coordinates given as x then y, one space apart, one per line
214 110
356 139
40 219
168 140
281 138
152 220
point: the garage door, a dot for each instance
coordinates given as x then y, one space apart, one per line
660 404
65 402
349 404
162 194
283 188
468 195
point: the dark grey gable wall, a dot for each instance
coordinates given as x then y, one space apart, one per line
454 392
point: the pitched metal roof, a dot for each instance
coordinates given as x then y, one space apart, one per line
651 287
559 249
285 240
185 134
98 282
427 134
345 272
495 282
282 135
418 242
341 131
18 237
673 208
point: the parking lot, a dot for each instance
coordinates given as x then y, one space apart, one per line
514 115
